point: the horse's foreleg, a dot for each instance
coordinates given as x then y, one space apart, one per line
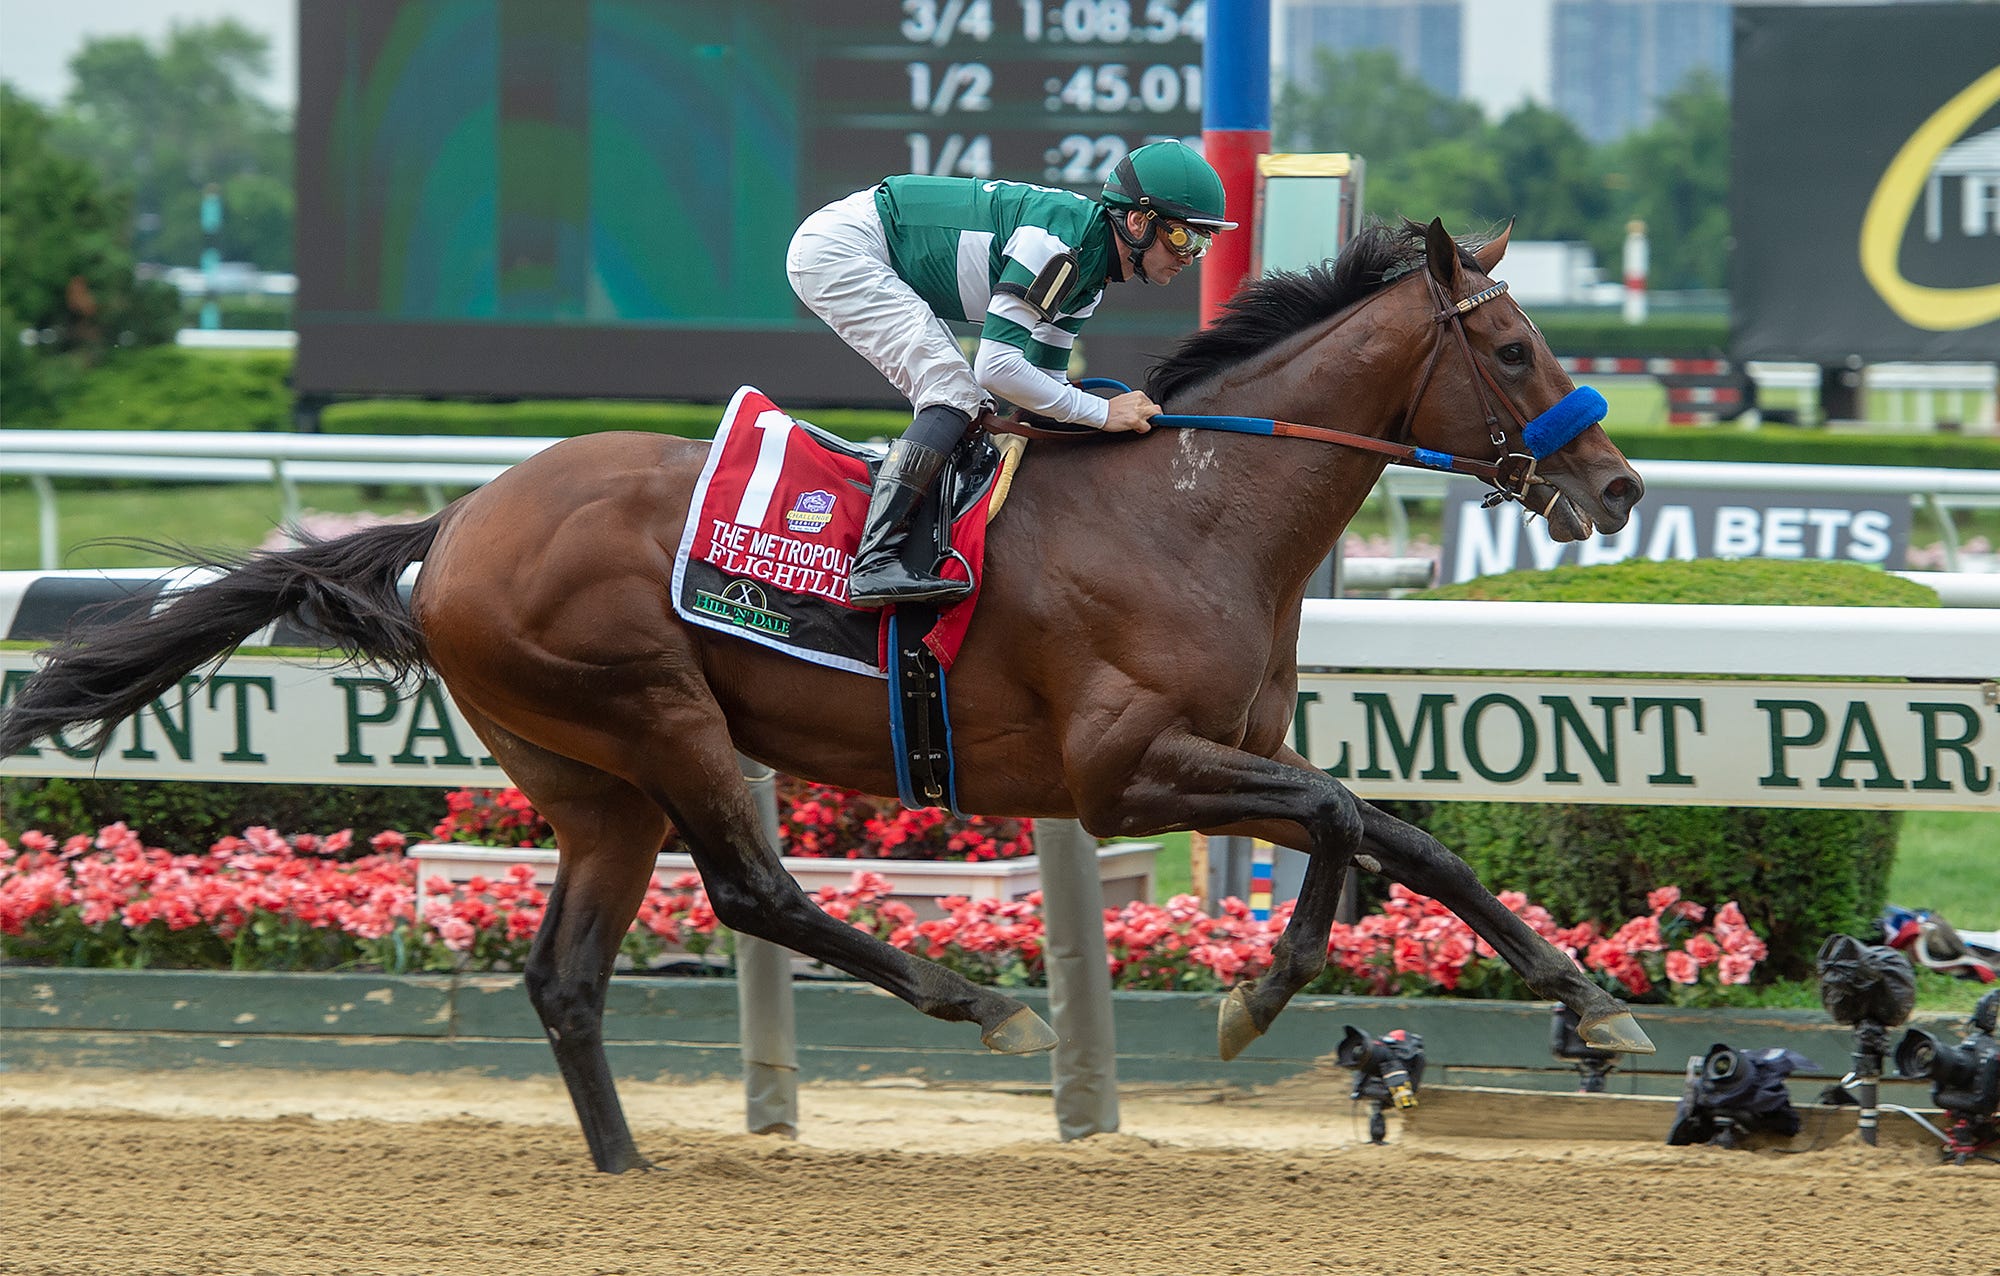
1296 959
752 893
1407 854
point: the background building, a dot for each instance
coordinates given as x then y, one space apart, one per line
1602 63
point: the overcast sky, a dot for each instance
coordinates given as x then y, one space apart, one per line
38 37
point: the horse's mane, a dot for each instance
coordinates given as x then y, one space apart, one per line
1267 310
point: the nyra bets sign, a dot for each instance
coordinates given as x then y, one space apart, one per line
1671 524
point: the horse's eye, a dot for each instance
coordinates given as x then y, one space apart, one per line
1514 354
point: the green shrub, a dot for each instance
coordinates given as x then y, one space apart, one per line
1798 874
187 817
1742 581
170 388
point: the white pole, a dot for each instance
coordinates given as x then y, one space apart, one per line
764 1001
1084 1065
1635 272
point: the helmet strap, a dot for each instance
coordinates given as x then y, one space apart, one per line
1135 248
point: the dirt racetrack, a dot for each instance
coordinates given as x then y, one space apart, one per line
103 1174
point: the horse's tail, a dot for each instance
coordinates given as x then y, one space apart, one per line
344 588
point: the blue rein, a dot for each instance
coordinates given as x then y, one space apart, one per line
1544 436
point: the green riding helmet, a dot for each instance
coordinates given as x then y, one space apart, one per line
1171 179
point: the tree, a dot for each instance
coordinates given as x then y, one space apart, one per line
65 241
1552 176
1365 103
1674 176
1459 180
1429 155
173 120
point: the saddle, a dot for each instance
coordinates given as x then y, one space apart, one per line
768 543
981 461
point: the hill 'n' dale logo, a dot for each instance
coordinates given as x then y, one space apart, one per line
1934 154
741 603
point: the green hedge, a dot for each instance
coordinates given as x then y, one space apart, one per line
262 313
188 817
1798 874
168 388
544 418
1806 447
1601 333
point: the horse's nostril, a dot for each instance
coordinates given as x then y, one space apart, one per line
1623 492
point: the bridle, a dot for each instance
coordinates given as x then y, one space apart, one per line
1514 472
1510 475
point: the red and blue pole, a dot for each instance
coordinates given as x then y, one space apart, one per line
1235 130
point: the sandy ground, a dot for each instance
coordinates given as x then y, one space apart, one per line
320 1174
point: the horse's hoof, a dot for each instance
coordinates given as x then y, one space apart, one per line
1022 1032
632 1163
1620 1032
1234 1028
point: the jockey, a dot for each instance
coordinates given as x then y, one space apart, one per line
886 266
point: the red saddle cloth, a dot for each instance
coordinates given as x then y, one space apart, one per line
770 538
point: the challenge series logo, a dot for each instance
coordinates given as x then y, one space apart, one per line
742 604
810 513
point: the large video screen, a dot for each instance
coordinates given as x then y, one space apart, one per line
1865 183
516 198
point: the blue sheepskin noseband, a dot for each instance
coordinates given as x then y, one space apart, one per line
1550 432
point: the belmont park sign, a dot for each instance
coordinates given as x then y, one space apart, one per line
1655 741
266 719
1596 739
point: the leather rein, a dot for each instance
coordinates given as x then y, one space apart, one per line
1510 476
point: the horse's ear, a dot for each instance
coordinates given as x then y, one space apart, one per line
1488 254
1441 254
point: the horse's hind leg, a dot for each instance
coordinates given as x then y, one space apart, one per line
1404 853
609 833
608 843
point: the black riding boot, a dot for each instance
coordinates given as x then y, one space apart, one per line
879 578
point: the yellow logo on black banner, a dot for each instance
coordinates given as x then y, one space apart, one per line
1895 199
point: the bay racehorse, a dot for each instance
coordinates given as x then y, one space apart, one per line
1131 664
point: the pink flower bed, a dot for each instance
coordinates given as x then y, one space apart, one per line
814 820
269 902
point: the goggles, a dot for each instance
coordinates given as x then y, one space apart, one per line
1184 240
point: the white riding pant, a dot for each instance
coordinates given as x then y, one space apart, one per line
839 266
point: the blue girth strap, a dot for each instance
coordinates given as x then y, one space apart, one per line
920 717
